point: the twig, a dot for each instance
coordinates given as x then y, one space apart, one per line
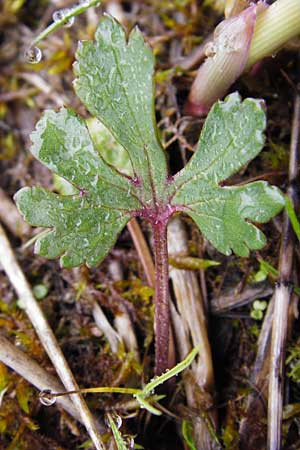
282 299
190 330
114 8
36 80
11 217
256 409
35 314
123 322
143 251
231 300
29 369
15 95
106 328
194 58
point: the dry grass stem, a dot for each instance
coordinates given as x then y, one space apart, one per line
190 331
282 298
29 369
48 340
10 216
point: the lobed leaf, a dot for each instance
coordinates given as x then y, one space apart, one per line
231 137
223 216
115 82
82 232
86 225
233 134
63 144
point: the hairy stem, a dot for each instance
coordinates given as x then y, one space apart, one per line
145 257
162 309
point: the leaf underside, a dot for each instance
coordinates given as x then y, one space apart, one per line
115 82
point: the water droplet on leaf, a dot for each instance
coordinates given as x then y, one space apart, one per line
47 398
118 421
116 418
33 55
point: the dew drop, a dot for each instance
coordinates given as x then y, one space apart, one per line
47 398
33 55
69 22
210 49
116 418
60 15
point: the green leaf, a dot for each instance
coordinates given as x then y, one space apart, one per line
120 443
4 379
82 232
187 433
62 143
62 186
86 225
115 82
231 137
267 268
143 396
112 152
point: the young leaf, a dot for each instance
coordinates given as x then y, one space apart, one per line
115 82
